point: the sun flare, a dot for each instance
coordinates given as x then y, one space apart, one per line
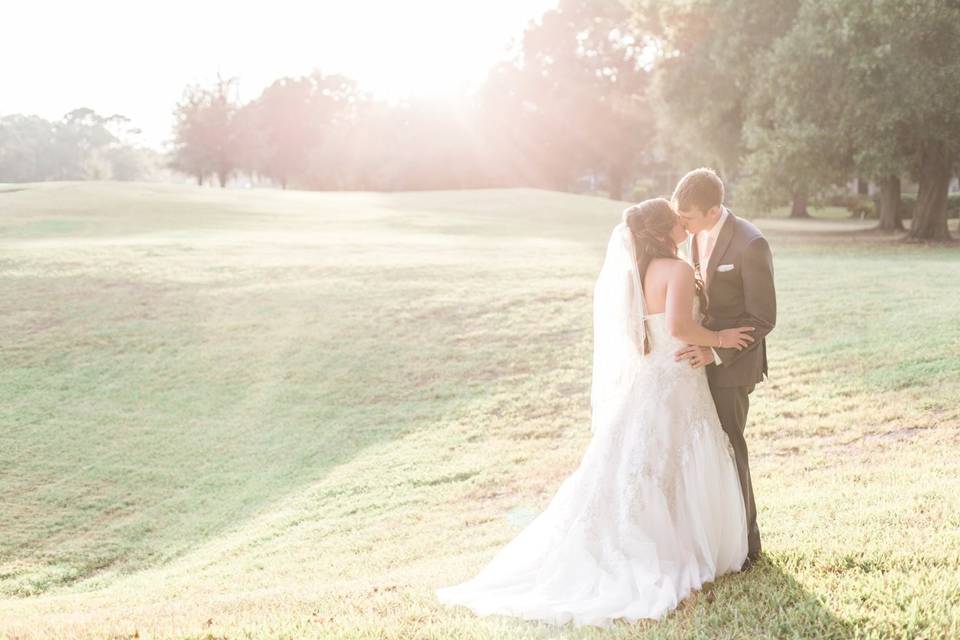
135 60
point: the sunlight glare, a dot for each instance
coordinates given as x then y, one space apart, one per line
136 58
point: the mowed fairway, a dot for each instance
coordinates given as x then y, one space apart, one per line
267 414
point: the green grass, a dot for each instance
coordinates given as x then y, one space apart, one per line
263 414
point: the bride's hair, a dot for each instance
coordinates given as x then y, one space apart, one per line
651 224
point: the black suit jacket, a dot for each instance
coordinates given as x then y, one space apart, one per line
741 294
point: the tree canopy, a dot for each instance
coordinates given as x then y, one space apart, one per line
83 145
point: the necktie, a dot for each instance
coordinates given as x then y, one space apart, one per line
705 242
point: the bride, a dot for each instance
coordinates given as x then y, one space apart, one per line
654 509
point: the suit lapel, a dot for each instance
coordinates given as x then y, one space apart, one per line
723 241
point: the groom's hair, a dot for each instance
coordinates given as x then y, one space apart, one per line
701 188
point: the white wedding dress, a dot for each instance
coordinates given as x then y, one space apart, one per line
654 509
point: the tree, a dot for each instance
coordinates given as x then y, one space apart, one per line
294 115
81 146
790 162
574 98
79 140
370 149
895 64
205 134
189 153
792 146
709 56
882 78
250 142
26 149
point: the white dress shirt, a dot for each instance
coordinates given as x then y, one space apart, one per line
706 241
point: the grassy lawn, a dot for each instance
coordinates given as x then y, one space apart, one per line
265 414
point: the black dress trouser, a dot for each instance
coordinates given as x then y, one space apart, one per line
733 403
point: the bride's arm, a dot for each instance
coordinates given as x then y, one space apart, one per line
679 312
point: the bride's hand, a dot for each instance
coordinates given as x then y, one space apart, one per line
735 338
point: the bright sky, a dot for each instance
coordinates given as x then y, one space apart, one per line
135 57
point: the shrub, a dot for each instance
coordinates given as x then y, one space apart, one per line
858 206
862 207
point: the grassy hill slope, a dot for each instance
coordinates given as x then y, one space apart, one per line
258 413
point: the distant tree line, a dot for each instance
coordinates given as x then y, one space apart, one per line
572 104
789 100
81 146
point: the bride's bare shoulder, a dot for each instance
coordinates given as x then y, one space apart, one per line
672 268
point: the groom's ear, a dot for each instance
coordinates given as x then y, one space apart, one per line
715 211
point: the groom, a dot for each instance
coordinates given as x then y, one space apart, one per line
732 260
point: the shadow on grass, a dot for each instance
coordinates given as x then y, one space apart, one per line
763 602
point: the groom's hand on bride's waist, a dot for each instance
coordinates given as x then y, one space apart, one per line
696 356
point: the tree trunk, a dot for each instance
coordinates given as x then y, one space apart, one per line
863 187
222 177
890 204
799 207
199 179
930 215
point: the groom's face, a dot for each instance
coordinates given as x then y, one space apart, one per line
678 233
695 219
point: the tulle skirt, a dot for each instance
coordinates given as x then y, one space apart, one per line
652 512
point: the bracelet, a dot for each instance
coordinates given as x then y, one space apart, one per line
720 340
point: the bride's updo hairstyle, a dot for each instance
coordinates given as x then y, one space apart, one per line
651 223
